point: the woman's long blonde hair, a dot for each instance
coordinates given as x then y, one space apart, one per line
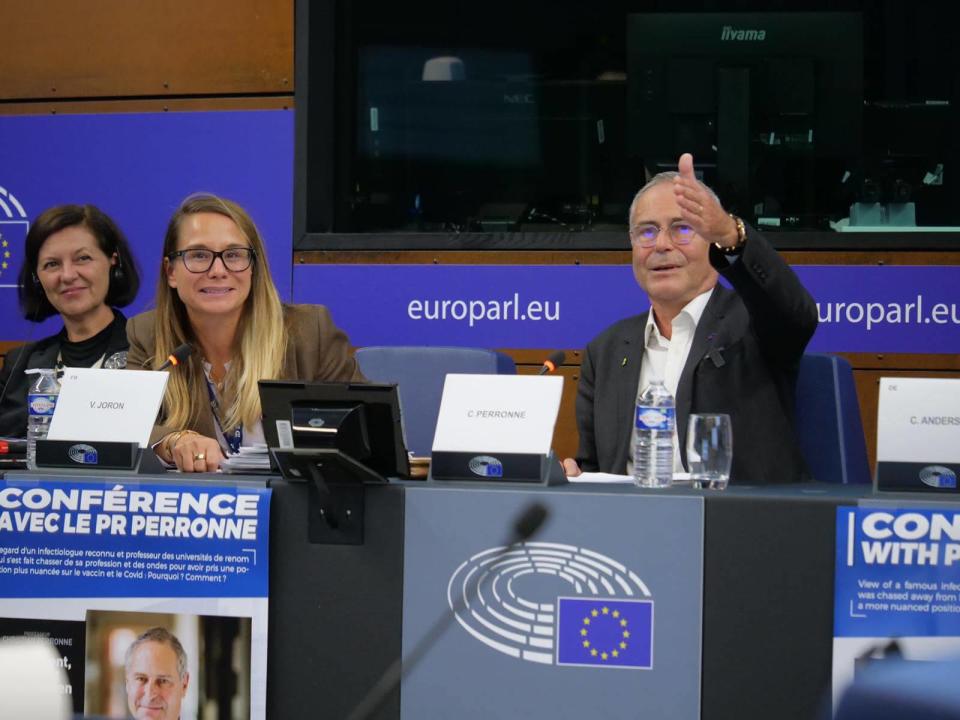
262 334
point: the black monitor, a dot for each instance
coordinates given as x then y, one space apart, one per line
338 438
770 105
353 429
500 147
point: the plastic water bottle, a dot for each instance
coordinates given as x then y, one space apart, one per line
654 423
41 402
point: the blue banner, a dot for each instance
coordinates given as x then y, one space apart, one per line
861 308
81 539
475 306
867 308
137 168
897 573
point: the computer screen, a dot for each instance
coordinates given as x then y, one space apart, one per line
360 420
770 105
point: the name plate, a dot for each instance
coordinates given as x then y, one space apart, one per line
107 405
498 413
918 434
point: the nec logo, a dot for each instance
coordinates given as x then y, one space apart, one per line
519 99
731 34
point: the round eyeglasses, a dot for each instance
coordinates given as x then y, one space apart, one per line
200 260
645 236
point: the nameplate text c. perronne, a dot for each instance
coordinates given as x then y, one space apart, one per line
498 413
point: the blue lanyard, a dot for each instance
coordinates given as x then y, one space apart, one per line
234 439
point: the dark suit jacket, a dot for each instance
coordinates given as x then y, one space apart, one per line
743 361
14 385
318 350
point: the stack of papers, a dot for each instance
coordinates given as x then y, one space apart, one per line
604 478
601 478
253 459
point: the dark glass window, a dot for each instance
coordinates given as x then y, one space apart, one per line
546 117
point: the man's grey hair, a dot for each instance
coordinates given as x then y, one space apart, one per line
164 637
666 176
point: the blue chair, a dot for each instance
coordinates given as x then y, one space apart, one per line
419 372
894 690
828 424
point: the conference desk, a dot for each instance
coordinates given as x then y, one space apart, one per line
742 581
767 600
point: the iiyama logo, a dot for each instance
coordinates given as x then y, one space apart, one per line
732 34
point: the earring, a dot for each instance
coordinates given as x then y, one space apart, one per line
117 273
36 280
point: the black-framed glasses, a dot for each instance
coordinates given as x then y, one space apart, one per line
646 235
200 260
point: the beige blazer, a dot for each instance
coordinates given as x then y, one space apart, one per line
318 350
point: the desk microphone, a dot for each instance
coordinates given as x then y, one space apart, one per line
553 361
177 356
526 524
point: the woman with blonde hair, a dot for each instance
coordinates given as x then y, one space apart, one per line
215 292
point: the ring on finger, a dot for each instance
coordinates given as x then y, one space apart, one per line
199 456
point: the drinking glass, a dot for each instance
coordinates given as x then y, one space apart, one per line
709 450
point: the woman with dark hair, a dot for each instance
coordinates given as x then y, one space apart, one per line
77 263
215 292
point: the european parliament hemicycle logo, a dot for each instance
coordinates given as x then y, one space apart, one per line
555 604
13 234
83 454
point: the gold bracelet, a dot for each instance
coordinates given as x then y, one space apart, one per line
741 238
171 440
167 441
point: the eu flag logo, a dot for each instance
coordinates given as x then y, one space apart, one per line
605 632
13 236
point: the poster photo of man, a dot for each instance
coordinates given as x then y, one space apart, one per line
160 666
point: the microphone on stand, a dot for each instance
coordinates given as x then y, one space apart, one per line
177 356
528 523
524 527
553 361
149 462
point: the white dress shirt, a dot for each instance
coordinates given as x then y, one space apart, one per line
664 358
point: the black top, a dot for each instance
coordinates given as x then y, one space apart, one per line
86 353
14 384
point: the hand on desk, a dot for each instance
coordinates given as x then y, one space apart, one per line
196 453
570 467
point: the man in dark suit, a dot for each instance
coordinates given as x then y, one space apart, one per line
717 350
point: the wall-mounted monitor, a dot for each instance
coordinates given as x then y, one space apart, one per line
770 105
